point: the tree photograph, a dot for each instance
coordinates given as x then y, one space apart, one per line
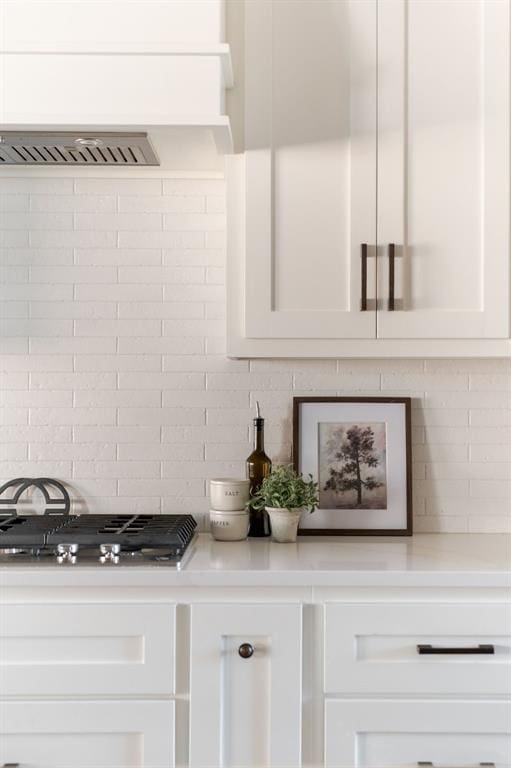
352 466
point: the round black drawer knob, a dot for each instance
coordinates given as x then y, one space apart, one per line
246 650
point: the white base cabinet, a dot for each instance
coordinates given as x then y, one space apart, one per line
87 734
130 674
246 686
404 734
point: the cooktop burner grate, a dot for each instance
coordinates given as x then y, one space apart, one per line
130 531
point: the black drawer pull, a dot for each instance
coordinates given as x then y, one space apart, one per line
363 277
478 650
432 765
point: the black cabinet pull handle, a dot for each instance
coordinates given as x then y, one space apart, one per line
246 650
439 650
432 765
392 277
363 277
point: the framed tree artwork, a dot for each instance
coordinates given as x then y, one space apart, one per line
358 449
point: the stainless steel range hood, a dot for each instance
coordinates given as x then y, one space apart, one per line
70 148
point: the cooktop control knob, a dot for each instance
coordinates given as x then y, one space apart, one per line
109 553
66 553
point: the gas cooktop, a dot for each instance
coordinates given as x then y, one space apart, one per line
91 539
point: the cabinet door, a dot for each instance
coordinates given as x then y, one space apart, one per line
368 645
403 734
91 649
443 168
310 168
87 734
245 711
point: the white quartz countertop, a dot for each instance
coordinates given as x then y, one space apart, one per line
424 560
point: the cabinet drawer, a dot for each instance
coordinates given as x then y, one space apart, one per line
402 734
87 734
373 648
87 649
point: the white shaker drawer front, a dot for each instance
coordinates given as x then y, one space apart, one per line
404 734
87 734
421 649
87 649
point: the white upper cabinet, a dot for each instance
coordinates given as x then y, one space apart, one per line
369 210
311 154
443 160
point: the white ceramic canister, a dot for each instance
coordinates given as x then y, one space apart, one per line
228 494
228 526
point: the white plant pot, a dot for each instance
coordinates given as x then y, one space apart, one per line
284 523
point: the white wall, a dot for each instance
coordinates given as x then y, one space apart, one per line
113 376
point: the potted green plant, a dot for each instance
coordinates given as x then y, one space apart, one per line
285 495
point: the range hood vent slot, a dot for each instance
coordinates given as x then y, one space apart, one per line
69 148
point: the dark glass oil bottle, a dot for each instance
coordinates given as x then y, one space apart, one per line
258 467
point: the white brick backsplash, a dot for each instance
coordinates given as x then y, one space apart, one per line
74 239
36 256
72 451
88 186
15 345
73 203
194 221
134 239
204 363
193 187
141 469
13 274
117 381
32 292
500 417
10 309
161 451
72 345
73 309
162 381
166 204
118 256
35 398
158 275
118 435
492 383
162 310
14 202
203 399
34 185
32 221
34 363
73 274
494 489
114 397
12 379
206 433
117 221
178 345
165 487
160 416
13 237
115 292
57 416
36 327
109 328
118 363
193 257
96 380
11 416
491 453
